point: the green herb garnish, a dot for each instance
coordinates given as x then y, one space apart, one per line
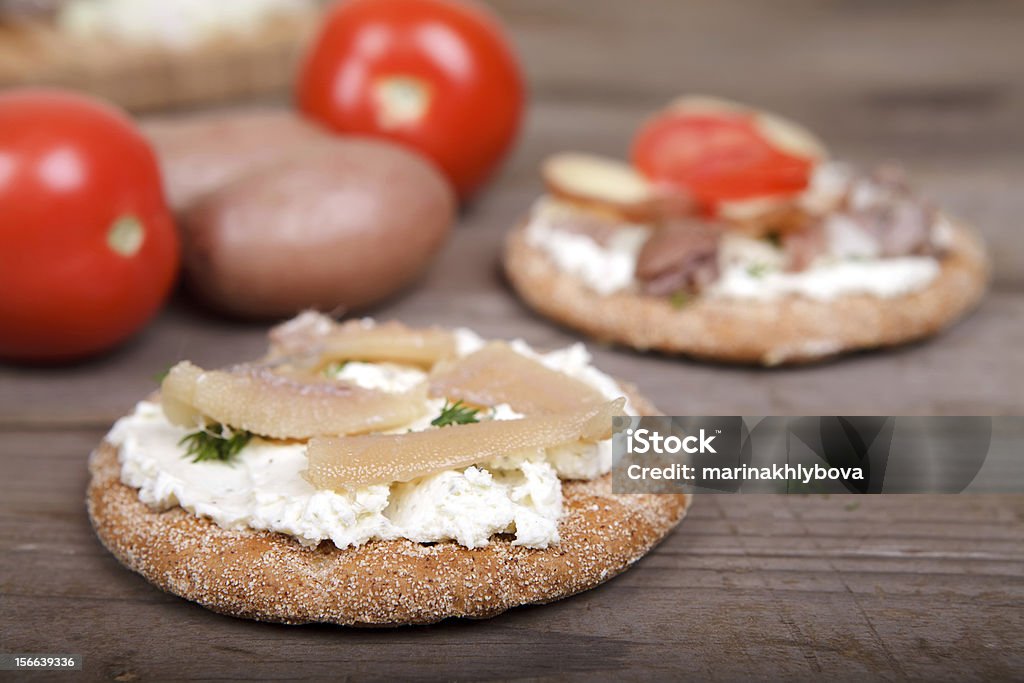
334 368
162 375
757 270
679 299
455 414
215 442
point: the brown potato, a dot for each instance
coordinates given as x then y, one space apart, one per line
200 153
341 226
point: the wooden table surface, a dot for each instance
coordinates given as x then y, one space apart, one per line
794 587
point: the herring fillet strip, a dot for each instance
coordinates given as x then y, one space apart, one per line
318 335
268 404
497 374
349 462
422 347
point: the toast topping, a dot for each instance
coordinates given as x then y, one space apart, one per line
258 400
316 339
680 257
231 445
846 234
896 222
601 184
342 463
606 266
706 171
497 375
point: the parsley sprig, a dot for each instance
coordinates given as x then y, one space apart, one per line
332 369
679 299
215 442
757 270
456 413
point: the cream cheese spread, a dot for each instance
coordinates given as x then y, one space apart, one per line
754 269
605 268
263 487
829 280
750 268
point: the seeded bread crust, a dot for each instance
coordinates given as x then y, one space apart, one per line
788 330
270 577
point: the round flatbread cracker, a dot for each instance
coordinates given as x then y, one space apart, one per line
270 577
786 330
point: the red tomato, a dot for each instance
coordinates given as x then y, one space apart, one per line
715 157
435 75
88 251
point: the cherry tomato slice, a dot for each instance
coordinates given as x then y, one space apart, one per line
717 157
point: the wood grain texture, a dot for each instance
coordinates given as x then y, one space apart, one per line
795 587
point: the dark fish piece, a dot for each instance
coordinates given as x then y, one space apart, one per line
887 209
681 256
804 246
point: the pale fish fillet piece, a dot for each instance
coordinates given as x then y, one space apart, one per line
261 401
313 334
349 462
496 374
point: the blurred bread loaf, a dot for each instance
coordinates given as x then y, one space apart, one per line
152 54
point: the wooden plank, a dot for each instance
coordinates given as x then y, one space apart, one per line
889 586
800 52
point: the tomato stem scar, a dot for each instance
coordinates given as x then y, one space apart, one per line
126 236
401 100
